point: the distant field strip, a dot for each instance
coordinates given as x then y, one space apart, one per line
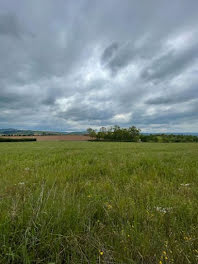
94 202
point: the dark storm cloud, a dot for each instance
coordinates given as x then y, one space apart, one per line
86 112
9 25
171 64
116 57
67 65
187 113
190 93
167 100
109 52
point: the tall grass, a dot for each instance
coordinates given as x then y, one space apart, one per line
88 202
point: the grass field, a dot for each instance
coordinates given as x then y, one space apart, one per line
94 202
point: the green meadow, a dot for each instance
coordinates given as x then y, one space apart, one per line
98 202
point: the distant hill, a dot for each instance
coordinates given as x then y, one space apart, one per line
13 131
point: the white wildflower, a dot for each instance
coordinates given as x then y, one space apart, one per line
163 210
21 183
185 184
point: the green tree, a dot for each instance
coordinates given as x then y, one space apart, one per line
91 132
134 133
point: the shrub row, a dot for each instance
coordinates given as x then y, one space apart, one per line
17 139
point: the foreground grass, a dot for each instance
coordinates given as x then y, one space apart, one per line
89 202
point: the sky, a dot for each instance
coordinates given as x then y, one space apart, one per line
68 65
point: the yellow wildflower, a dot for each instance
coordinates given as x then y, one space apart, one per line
187 238
109 206
101 253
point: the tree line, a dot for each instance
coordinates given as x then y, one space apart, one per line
132 134
168 138
115 133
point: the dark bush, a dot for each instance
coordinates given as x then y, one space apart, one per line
17 139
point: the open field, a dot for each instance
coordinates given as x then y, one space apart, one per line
54 138
95 202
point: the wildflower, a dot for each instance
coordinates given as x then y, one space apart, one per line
185 184
101 253
109 206
21 183
128 235
27 169
89 196
163 210
160 262
166 257
187 238
164 253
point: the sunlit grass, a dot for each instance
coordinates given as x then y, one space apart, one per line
92 202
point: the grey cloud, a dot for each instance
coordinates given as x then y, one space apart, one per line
109 52
163 118
116 56
171 64
188 94
167 100
9 25
85 112
174 116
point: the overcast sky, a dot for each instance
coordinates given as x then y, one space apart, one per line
68 65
